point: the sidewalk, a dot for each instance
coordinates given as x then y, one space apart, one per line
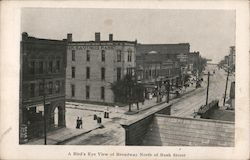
147 104
64 135
61 135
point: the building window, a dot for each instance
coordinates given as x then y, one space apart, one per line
102 93
50 87
103 55
50 66
58 65
41 67
41 89
87 73
87 92
32 90
72 90
32 67
73 55
73 70
119 70
119 56
129 56
57 87
88 55
129 71
103 73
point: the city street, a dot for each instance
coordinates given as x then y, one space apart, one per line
191 103
113 134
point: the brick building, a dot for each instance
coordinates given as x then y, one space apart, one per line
42 79
161 61
92 66
193 61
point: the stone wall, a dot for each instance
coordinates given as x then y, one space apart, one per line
136 130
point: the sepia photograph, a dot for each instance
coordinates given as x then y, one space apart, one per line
109 82
90 78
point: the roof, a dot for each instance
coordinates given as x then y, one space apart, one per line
33 40
177 131
163 48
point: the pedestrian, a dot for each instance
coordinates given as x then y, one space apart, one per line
77 123
80 123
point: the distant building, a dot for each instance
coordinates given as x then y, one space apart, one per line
231 57
194 61
42 74
155 62
92 66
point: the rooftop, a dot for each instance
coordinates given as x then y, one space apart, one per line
177 131
163 48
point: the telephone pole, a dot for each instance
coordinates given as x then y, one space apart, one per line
44 114
168 90
225 95
208 75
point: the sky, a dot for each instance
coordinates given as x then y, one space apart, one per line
211 32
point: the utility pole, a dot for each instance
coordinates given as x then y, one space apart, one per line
44 115
208 75
168 90
225 95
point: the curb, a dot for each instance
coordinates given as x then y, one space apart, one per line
176 100
86 109
73 137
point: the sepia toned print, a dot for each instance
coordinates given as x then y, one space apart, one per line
131 78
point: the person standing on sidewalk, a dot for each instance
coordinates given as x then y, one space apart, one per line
80 123
77 123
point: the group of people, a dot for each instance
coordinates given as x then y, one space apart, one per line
79 123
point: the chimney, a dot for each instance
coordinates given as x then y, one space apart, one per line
69 37
24 35
110 37
97 36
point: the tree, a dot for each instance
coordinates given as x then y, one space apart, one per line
128 91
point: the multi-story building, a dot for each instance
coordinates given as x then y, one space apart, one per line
92 66
193 61
231 58
42 81
161 61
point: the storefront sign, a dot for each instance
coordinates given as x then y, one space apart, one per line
23 133
82 47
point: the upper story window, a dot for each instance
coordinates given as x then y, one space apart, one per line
129 55
50 66
41 67
103 55
73 70
88 55
87 92
57 87
32 89
58 65
87 72
72 90
103 73
102 93
119 71
41 89
50 87
129 71
32 67
73 55
119 55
